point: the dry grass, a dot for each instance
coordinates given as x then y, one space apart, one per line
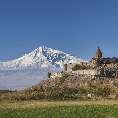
41 104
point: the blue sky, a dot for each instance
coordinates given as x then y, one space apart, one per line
73 26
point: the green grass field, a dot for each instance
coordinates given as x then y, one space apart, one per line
59 109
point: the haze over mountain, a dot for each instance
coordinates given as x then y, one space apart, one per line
31 68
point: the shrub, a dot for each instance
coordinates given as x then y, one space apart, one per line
79 67
64 77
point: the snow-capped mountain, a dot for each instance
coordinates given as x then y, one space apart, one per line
31 68
40 57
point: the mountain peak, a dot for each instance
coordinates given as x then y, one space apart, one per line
31 68
40 57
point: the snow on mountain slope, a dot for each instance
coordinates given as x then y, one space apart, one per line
40 57
32 68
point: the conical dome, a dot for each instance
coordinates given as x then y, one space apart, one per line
98 53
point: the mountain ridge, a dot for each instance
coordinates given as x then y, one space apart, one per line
42 57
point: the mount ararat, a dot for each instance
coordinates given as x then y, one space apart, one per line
31 68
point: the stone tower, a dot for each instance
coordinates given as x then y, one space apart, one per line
98 53
65 67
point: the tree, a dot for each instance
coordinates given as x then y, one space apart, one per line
79 67
49 74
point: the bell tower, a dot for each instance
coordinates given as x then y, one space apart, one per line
98 53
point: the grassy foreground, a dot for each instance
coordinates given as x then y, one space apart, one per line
59 109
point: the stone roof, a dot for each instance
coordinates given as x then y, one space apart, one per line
109 60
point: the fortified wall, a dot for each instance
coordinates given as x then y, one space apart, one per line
97 67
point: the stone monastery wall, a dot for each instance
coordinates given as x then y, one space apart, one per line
86 72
